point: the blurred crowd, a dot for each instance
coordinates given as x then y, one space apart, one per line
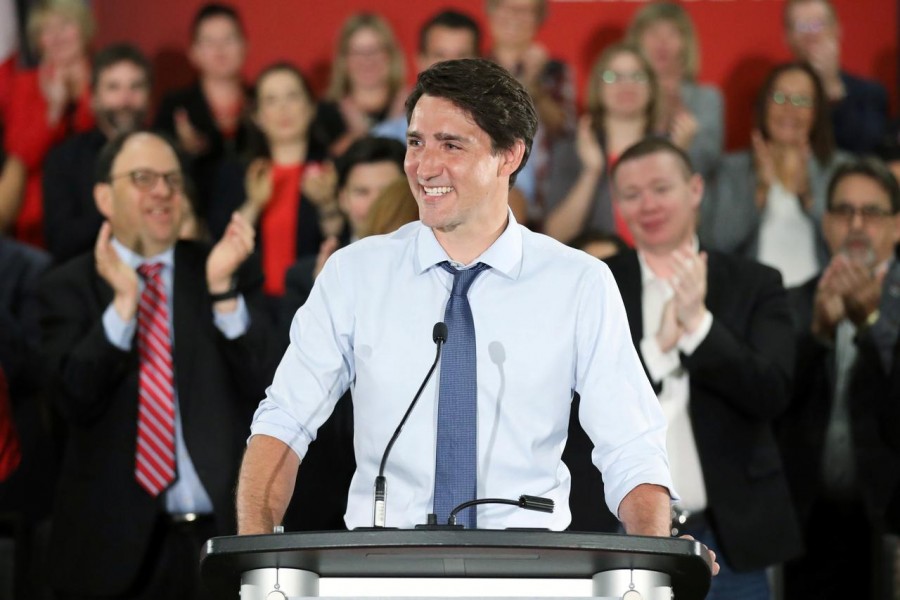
249 187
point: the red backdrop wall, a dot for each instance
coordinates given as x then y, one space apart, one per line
740 39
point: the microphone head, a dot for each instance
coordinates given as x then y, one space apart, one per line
439 333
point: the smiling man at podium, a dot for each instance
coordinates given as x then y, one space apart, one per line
529 322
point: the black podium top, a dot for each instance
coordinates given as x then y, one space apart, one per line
482 553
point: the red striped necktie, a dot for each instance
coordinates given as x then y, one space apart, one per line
155 460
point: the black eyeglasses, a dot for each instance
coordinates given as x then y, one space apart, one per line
145 179
846 212
798 100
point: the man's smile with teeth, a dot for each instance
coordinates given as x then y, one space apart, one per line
437 191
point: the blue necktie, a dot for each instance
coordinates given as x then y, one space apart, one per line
455 463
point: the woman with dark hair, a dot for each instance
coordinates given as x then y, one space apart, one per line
207 118
622 101
767 202
278 185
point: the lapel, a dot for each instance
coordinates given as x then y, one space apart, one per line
102 290
715 276
628 276
188 309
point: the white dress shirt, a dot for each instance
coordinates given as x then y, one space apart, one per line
549 321
787 237
675 396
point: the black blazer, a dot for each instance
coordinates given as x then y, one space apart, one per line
204 166
103 521
740 379
803 427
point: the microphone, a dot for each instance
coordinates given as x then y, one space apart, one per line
527 502
439 336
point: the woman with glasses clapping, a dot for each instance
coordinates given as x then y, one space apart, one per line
767 202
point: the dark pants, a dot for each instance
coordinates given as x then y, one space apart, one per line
172 568
730 584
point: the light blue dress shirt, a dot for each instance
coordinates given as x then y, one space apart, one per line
187 494
549 320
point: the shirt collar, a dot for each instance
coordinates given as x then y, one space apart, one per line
134 260
503 256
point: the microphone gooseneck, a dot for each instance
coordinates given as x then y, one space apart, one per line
438 336
527 502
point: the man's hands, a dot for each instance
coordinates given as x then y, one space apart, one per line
227 256
192 140
846 289
120 277
684 312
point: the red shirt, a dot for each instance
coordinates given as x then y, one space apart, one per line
29 136
278 226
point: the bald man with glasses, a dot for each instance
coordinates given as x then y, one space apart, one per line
158 352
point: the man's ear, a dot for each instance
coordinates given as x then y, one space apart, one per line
103 198
512 158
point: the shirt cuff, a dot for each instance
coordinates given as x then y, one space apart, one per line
659 364
119 332
689 341
233 324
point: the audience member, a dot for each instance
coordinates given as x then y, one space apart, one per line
714 334
622 101
47 103
158 352
514 25
27 492
840 468
283 187
207 117
766 203
120 98
859 107
690 114
367 83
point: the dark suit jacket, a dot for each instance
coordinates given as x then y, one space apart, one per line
739 382
861 117
103 521
803 427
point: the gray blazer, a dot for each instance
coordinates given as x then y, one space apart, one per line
705 102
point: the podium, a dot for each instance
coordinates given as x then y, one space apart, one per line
287 565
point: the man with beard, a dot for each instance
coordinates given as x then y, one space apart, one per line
120 88
838 465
